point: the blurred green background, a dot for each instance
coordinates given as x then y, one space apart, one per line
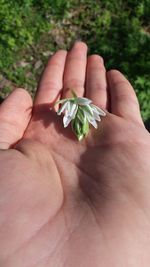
31 30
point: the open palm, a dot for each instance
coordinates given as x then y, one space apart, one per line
70 203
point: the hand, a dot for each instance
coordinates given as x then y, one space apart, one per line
65 203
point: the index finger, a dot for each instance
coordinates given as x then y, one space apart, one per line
51 82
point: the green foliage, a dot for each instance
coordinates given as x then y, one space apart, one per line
118 30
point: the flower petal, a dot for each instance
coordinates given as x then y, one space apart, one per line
70 113
93 122
81 115
90 112
87 114
96 116
98 110
91 119
83 101
63 107
88 109
68 109
66 120
73 110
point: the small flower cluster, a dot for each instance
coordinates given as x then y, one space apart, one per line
80 112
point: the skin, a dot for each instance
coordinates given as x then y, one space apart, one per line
65 203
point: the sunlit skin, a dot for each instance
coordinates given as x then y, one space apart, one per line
65 203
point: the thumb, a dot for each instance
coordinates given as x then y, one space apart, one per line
15 114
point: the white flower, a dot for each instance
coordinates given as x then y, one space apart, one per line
98 110
83 101
80 111
70 112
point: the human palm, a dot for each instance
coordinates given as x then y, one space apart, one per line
70 203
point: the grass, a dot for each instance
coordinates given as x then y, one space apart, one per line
31 30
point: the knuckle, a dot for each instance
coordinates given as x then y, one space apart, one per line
53 85
73 83
98 86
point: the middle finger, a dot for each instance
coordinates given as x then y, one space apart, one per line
75 70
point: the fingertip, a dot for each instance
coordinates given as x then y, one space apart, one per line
53 58
115 77
18 96
24 95
113 72
80 44
61 51
96 58
124 102
15 114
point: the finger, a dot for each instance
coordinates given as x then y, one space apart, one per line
15 114
124 102
51 82
96 85
75 69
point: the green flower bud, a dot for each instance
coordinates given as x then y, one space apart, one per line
77 128
80 125
85 127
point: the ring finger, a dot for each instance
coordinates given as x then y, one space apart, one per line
96 85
